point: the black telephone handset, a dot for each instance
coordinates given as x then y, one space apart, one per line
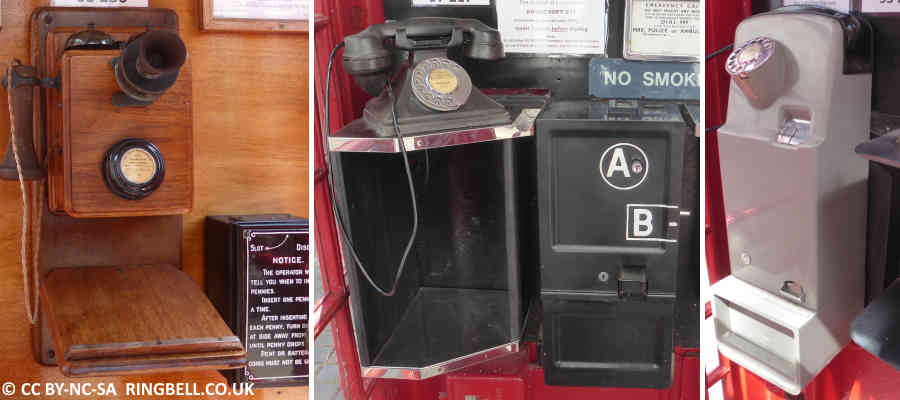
365 52
432 92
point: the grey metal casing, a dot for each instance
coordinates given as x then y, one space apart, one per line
794 212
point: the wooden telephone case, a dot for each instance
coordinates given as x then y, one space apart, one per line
88 125
113 298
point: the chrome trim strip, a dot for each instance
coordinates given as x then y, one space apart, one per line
415 374
522 126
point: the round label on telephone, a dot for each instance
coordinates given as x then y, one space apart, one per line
133 169
442 80
138 166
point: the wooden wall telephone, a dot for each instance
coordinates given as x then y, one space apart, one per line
433 92
105 114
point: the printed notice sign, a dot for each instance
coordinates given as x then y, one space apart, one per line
838 5
553 26
100 3
663 30
614 78
429 3
277 306
291 10
880 6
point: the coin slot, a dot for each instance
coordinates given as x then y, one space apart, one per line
795 127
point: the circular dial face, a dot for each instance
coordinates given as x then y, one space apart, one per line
138 166
750 56
750 53
441 84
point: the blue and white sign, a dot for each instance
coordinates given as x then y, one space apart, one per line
623 79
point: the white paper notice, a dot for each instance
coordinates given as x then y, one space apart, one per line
553 26
99 3
430 3
663 28
839 5
880 6
291 10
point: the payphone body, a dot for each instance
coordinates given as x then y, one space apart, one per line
795 194
613 216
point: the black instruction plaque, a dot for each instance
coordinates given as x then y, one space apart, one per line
265 292
277 309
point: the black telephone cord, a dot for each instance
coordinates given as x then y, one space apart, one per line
718 51
348 241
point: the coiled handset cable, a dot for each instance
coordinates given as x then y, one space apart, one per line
348 241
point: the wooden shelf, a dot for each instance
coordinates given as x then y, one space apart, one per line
135 319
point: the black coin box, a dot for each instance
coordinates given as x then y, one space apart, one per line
257 276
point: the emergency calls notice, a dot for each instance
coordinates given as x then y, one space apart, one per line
292 10
553 26
664 28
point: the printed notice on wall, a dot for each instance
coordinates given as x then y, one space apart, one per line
431 3
880 6
100 3
553 26
839 5
290 10
663 29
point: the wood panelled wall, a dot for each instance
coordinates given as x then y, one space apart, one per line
251 116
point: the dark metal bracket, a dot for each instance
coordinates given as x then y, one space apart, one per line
17 80
51 83
121 99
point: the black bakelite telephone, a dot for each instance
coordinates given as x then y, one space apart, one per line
432 92
426 93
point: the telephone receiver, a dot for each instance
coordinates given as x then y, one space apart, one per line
433 93
371 51
20 80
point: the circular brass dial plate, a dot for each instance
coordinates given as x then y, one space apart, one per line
441 84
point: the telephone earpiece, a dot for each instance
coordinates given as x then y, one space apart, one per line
367 57
485 45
